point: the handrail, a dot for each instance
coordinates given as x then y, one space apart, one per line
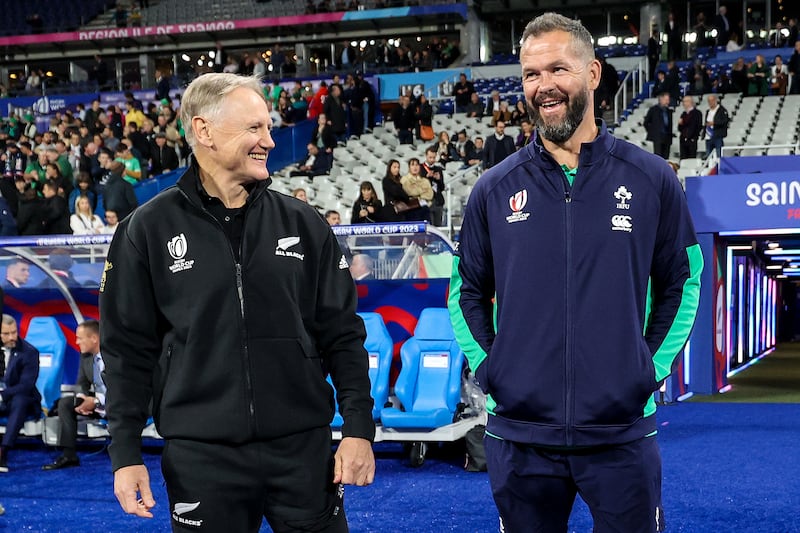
636 76
795 147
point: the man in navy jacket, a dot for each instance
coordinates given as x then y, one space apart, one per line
574 287
19 397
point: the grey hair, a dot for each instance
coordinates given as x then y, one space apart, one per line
550 22
204 96
9 320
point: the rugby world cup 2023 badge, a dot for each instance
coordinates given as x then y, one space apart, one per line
177 248
517 203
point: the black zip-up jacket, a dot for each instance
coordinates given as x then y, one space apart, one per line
229 352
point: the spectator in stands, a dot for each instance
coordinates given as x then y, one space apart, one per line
475 107
653 53
354 100
404 120
317 163
526 134
733 43
493 105
118 194
300 194
368 94
777 38
660 83
758 76
84 221
435 175
34 81
463 91
83 186
138 140
673 83
115 121
674 38
53 174
19 397
92 120
332 217
367 207
89 402
793 32
722 25
779 76
111 222
335 111
723 85
519 113
393 193
162 85
699 80
690 125
35 171
418 189
423 114
30 213
8 224
605 92
445 150
464 145
498 146
133 169
322 136
315 107
658 124
163 158
295 486
794 69
476 154
18 272
739 75
361 267
716 125
56 211
133 115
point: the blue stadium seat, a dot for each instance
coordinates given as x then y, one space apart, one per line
429 384
45 334
379 346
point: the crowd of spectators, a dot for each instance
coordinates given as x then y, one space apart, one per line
51 180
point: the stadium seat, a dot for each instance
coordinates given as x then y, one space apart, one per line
45 334
429 384
379 346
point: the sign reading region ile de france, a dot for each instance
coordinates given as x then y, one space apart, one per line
165 29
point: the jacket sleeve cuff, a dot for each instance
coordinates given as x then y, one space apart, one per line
125 451
362 427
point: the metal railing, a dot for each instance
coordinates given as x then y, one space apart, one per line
636 77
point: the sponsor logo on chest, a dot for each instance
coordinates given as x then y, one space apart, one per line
177 248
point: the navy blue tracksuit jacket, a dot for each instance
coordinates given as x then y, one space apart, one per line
572 302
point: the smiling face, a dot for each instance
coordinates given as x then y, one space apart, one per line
558 82
239 138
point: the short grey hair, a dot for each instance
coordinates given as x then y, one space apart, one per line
550 22
204 96
9 320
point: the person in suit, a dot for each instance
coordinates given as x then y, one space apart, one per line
361 267
716 127
658 123
674 44
723 26
19 397
498 146
18 272
690 125
89 402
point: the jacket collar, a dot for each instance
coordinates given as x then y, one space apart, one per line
591 152
189 183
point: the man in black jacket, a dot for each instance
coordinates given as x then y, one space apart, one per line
226 304
658 124
56 211
162 157
118 194
498 146
690 126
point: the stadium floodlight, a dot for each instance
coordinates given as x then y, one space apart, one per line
372 42
690 37
199 62
750 34
608 40
630 40
212 54
353 43
784 32
713 33
362 44
186 57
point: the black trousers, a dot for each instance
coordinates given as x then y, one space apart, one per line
688 148
662 148
288 481
68 425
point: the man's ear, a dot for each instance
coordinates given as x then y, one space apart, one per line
595 69
202 131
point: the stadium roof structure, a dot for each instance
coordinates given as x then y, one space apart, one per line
276 30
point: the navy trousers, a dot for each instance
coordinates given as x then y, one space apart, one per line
534 488
17 410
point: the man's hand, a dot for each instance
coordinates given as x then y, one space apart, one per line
354 462
87 406
129 480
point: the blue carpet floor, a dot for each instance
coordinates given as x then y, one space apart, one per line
727 467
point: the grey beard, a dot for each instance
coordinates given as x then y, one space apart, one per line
559 133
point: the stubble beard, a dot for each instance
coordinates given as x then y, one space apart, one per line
562 131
